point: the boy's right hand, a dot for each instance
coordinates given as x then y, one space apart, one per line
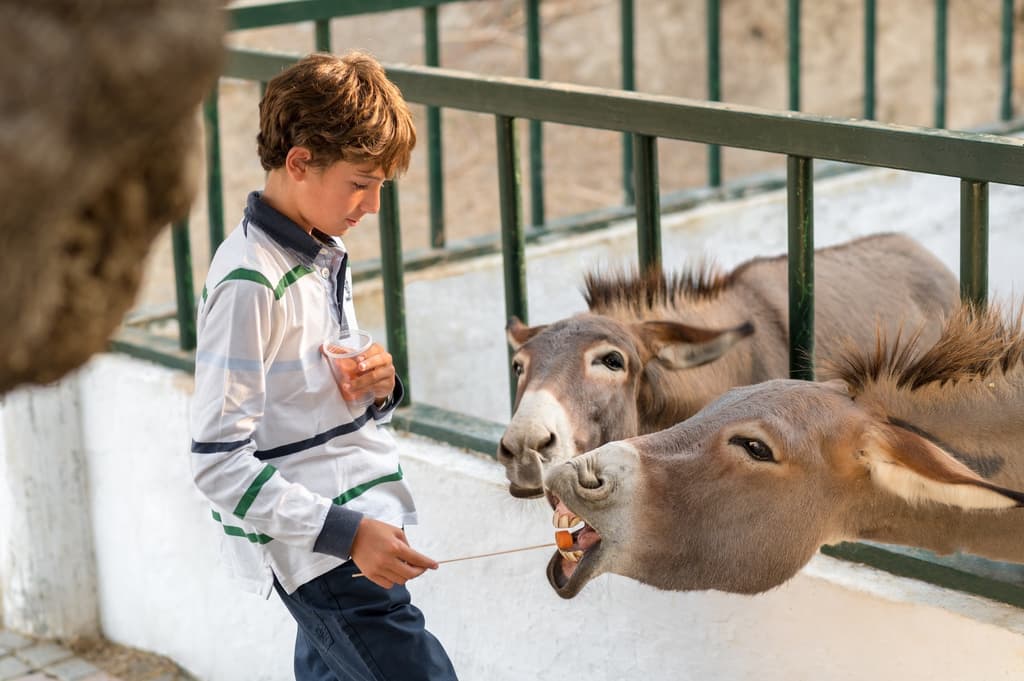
384 556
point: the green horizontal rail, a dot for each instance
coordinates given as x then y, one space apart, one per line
455 428
295 11
940 152
896 561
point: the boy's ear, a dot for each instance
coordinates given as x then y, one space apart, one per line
296 163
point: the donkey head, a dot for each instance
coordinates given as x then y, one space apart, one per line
740 496
591 379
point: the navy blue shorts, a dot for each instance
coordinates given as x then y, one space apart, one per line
350 629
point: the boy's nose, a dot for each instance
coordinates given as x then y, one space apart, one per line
371 202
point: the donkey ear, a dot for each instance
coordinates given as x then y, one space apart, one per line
682 346
917 469
518 333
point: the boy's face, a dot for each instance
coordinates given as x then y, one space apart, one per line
335 198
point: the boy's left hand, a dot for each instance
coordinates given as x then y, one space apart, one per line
377 373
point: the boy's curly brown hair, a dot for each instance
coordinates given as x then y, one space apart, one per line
341 108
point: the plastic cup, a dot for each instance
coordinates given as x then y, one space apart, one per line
343 357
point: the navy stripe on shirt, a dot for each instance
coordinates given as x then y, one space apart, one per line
316 440
215 447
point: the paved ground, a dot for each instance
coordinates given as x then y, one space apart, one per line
26 659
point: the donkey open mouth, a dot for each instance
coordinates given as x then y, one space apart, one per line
569 569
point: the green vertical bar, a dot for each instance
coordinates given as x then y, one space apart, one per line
323 35
533 70
183 287
974 241
628 58
513 238
714 17
870 24
941 23
1006 103
392 276
214 183
794 54
648 202
800 187
263 89
435 157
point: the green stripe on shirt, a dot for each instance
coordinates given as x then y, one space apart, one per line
290 277
351 494
239 532
341 499
254 489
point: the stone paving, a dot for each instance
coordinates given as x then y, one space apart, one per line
23 658
26 659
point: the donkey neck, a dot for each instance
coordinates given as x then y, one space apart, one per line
995 534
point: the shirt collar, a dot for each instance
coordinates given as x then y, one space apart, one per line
285 232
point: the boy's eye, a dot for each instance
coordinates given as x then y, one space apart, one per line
360 187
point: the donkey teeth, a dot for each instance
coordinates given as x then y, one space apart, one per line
564 522
571 556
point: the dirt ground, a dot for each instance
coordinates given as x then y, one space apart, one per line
128 664
581 45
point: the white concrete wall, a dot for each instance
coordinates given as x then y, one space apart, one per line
161 586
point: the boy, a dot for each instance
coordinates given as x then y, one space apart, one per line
309 494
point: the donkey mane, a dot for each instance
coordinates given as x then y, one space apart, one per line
975 343
642 291
651 288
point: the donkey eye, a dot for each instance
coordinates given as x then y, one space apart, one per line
755 448
614 361
517 368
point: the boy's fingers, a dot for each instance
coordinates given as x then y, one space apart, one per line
404 572
376 363
417 559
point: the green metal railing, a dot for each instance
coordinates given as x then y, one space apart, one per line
321 12
977 159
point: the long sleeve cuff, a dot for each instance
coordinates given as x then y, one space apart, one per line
382 414
339 532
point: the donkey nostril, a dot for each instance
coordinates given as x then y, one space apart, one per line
503 451
548 446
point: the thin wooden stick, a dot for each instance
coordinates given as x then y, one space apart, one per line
483 555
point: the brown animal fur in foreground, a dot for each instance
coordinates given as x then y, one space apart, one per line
99 138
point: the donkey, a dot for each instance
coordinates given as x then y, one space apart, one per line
912 447
653 350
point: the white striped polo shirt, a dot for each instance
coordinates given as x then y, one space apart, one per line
288 470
